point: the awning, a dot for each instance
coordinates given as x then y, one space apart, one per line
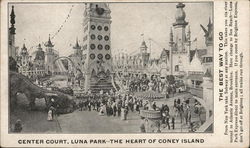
196 77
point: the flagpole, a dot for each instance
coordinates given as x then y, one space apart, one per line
196 43
150 46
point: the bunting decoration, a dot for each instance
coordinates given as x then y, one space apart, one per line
62 25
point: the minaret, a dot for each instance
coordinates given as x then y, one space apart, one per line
179 26
208 58
188 41
171 43
24 56
143 47
12 32
39 57
208 33
144 54
77 48
49 56
12 21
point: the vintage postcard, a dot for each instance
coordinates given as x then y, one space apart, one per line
124 73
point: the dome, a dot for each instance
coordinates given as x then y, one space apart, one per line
180 15
39 54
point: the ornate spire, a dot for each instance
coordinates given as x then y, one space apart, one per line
180 16
12 16
209 23
207 73
39 47
24 50
77 46
208 33
24 46
209 26
49 43
143 46
12 21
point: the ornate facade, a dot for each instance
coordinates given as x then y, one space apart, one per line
179 59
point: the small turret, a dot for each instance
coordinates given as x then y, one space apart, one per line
39 47
143 47
49 43
77 46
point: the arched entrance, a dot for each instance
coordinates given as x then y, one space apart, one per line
63 66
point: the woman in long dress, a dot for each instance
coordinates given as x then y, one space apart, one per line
50 118
102 112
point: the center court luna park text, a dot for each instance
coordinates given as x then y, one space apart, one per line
103 141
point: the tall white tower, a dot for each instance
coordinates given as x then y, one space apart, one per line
96 44
180 26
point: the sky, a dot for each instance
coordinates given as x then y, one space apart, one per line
34 23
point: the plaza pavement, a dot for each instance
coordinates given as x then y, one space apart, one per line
91 122
84 121
33 121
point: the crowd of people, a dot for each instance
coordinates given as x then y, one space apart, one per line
143 83
119 105
111 104
180 110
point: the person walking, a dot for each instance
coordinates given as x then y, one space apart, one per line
89 105
126 113
167 119
163 114
142 125
188 114
50 116
172 114
137 108
18 126
114 108
181 112
81 105
154 106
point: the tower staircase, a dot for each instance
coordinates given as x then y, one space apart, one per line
103 84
